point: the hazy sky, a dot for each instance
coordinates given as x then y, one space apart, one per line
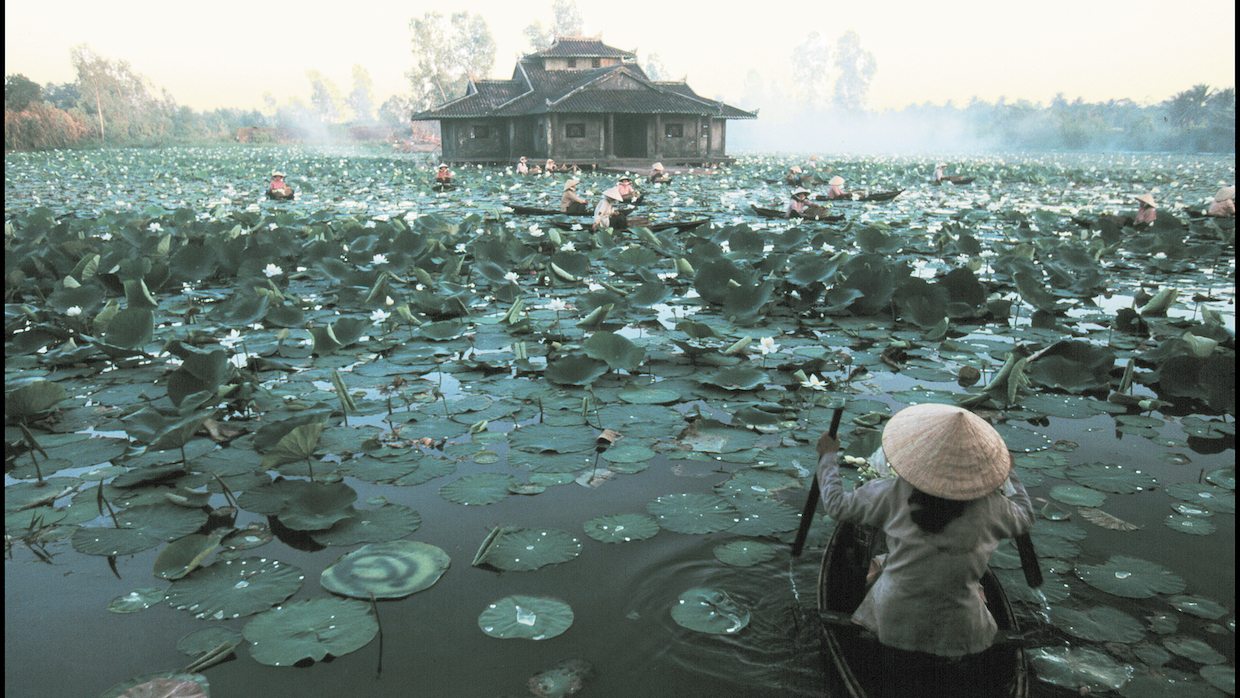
228 53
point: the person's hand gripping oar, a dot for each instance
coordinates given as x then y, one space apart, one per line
811 502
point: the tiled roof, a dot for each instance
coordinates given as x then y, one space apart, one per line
581 47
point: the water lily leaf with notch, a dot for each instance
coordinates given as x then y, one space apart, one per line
742 377
616 350
709 610
1109 477
575 369
478 488
621 528
1098 623
1194 649
1130 577
1077 495
526 617
312 629
164 521
316 506
389 570
522 549
31 397
1213 498
1189 524
136 600
1199 606
298 444
387 523
185 554
235 588
110 542
693 513
542 438
744 553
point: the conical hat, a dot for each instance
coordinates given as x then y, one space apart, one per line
613 194
657 166
1146 199
796 169
800 190
946 451
572 184
1226 193
836 181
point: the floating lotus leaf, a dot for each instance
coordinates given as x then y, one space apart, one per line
1072 366
136 600
551 462
443 331
390 570
235 588
249 537
693 513
32 397
479 488
310 629
619 353
709 610
757 483
528 617
185 554
1109 477
207 639
1019 439
628 453
1213 498
543 438
1223 477
741 377
427 469
1221 677
1078 668
164 521
316 506
764 516
110 542
1189 524
648 395
388 522
516 548
1130 577
164 684
576 369
1099 623
1199 606
621 528
711 436
1194 649
744 553
1077 495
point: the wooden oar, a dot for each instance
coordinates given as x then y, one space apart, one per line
811 502
1029 561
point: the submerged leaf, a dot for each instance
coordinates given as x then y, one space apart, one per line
1105 520
709 610
527 617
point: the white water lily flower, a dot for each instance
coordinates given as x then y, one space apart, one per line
768 345
379 316
231 339
379 259
155 227
272 226
272 270
74 311
511 277
814 383
388 301
557 305
567 247
106 236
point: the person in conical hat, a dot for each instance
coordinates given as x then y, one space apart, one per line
605 213
571 202
657 175
1224 205
795 178
835 188
279 189
443 175
943 513
1147 209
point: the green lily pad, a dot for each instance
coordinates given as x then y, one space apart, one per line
110 542
648 395
744 553
1098 623
528 617
576 369
312 629
479 488
1130 577
617 351
1223 477
136 600
1194 525
1221 677
164 521
1199 606
388 522
185 554
693 513
235 588
709 610
316 506
390 570
1077 495
1021 440
207 639
1194 649
1213 498
621 528
764 516
1109 477
516 548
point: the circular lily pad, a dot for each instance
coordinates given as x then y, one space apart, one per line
1109 477
136 600
1078 495
164 521
1221 677
1199 606
693 513
388 522
528 617
648 395
1194 649
317 506
1130 577
479 488
1214 498
235 588
523 549
744 553
1223 477
312 629
628 453
1100 623
764 516
1189 524
1021 440
112 541
709 610
390 570
621 528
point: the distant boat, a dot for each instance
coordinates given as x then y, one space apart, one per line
955 179
876 196
776 213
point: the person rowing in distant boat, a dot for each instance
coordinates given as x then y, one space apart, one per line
801 207
835 189
523 167
605 213
279 189
1147 210
1224 204
795 178
550 166
571 202
443 175
943 514
627 193
657 175
940 176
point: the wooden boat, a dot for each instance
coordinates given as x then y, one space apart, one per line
956 179
776 213
642 222
442 187
520 210
876 196
279 195
853 655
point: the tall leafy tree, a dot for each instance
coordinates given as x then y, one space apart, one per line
654 68
325 97
1188 108
125 105
567 22
856 68
20 92
811 71
362 99
446 52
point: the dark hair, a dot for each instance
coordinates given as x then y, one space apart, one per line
933 513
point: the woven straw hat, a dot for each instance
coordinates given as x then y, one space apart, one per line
836 181
572 184
795 169
797 192
1226 193
1146 199
657 166
443 166
280 175
613 194
946 451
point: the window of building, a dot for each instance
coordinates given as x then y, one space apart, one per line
596 62
572 62
674 130
574 130
480 131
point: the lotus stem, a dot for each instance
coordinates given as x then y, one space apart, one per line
102 502
374 605
211 657
228 495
